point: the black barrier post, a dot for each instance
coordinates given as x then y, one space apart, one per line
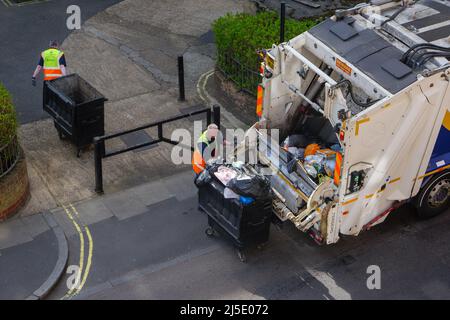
282 21
208 117
99 150
216 115
181 78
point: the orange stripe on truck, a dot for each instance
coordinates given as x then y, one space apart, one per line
349 201
259 101
337 169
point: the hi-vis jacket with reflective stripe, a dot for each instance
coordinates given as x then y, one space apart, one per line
52 68
198 162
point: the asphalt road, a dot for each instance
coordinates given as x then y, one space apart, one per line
163 253
24 32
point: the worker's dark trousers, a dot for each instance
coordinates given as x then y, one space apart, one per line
44 98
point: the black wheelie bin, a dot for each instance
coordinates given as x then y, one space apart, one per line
77 109
245 225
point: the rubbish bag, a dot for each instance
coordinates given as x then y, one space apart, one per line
225 174
246 200
256 187
314 164
297 153
203 178
311 149
230 194
296 140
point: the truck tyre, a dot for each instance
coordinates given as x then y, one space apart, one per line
434 198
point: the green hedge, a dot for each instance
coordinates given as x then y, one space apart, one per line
8 121
241 35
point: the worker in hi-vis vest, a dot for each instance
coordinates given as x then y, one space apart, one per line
52 62
206 144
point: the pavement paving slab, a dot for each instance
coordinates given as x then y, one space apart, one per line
93 211
124 207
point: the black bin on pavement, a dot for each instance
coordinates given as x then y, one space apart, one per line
244 225
77 109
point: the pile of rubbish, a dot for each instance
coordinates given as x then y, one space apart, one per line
240 182
318 160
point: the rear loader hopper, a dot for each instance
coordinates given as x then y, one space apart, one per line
361 103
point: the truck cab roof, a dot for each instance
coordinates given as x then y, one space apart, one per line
374 39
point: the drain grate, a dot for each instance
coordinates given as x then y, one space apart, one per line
19 3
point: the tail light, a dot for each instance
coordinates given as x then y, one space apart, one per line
341 135
261 69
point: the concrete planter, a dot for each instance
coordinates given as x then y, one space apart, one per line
14 189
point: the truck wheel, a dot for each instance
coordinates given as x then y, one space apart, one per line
434 198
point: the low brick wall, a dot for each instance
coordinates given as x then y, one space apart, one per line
14 190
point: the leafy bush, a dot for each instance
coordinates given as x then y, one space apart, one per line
8 121
239 36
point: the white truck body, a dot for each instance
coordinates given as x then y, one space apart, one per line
390 140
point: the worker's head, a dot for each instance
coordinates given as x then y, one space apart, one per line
212 131
53 44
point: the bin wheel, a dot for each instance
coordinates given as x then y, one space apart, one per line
61 135
261 246
241 255
209 232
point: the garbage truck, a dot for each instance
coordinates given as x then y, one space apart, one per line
367 91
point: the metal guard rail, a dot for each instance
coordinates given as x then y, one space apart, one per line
9 156
212 115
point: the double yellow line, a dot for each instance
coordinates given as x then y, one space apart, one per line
82 275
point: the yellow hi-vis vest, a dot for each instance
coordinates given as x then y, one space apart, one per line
198 163
52 68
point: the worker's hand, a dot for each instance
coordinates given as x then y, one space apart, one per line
33 81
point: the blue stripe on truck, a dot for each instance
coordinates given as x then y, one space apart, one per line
441 152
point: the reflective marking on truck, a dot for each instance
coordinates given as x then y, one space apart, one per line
343 66
270 61
446 121
387 105
349 201
433 172
394 180
369 196
360 122
259 101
